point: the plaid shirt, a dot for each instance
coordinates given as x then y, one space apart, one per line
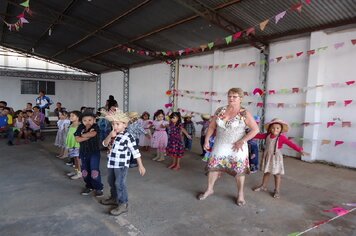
136 129
122 148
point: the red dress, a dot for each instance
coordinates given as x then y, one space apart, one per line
175 146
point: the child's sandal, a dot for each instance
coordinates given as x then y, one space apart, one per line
276 194
260 189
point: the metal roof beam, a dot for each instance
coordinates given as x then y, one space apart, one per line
46 33
215 18
162 28
100 28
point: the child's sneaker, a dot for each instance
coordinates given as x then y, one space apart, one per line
78 175
122 208
86 191
109 201
99 193
70 174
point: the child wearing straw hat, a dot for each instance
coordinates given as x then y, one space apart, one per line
119 160
272 160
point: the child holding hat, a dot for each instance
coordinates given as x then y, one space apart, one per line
272 160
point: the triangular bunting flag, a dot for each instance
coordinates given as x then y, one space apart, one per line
235 66
237 35
250 31
187 51
228 39
353 41
329 124
295 90
252 63
203 47
322 48
331 103
25 4
180 52
259 104
229 66
263 25
308 1
339 45
270 92
347 102
297 7
346 124
280 16
210 45
290 56
271 60
311 52
280 105
350 82
325 141
299 54
279 59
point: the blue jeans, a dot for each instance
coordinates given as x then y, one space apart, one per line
117 182
188 143
253 147
91 170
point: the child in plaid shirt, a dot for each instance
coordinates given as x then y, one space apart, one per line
123 146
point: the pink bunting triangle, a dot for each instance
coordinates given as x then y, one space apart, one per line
250 31
353 41
339 45
299 54
237 35
350 82
280 16
347 102
338 143
307 2
329 124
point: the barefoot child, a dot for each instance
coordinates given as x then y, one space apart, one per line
159 139
175 147
73 146
272 160
123 146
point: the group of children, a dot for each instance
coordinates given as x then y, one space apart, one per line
23 124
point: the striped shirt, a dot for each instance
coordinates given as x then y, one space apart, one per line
123 146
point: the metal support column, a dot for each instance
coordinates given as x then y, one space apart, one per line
126 90
173 84
263 82
98 92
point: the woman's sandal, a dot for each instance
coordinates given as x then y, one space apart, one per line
202 196
259 189
276 194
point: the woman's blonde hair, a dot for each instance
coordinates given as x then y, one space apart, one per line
239 91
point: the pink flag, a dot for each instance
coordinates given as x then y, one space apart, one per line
299 54
338 210
311 52
280 16
350 82
236 65
297 7
338 45
347 102
259 104
330 123
237 35
353 41
308 1
250 31
271 92
338 143
295 90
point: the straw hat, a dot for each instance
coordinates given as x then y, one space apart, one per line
117 115
284 124
205 116
187 115
133 115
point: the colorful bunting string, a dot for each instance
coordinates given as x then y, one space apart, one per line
272 60
21 17
225 40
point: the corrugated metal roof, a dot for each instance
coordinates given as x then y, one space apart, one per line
157 25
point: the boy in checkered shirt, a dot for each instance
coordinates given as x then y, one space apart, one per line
122 144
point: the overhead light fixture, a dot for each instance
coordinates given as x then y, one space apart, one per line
33 49
50 32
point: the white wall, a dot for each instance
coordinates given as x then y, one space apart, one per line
72 94
148 86
112 83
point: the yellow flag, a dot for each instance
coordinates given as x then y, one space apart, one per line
263 24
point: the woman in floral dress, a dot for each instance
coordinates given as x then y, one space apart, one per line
230 152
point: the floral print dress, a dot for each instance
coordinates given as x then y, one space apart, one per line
175 147
223 157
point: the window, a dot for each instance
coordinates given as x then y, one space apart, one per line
35 86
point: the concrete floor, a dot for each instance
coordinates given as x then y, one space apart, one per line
38 199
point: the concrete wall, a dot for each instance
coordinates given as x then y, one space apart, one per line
72 94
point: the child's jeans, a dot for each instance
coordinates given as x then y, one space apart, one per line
117 182
188 143
91 170
253 157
